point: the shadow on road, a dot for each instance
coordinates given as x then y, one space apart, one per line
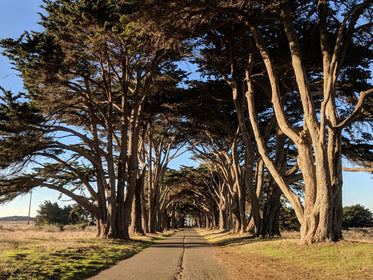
179 245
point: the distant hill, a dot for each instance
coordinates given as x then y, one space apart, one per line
16 218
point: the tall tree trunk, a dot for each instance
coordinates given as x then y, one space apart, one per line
335 165
236 215
136 219
145 223
271 211
153 209
249 188
131 188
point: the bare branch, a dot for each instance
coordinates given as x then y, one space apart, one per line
357 169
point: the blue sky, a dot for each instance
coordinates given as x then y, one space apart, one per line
19 15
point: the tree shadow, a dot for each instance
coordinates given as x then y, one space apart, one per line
218 233
244 240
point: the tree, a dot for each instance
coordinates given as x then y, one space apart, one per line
318 143
19 123
314 42
89 74
295 74
357 216
224 56
217 141
160 148
52 213
190 194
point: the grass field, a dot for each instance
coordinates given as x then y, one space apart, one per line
29 252
348 259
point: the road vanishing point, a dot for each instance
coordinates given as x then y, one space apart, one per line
185 255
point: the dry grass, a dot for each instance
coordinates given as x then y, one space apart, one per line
359 235
29 252
23 237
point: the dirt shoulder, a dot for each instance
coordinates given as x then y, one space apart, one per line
283 258
255 267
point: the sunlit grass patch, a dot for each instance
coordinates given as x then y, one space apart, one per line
36 254
67 263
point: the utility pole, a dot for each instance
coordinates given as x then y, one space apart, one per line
29 209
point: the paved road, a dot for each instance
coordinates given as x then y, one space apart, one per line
185 255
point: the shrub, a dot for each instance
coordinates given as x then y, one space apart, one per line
51 213
357 216
288 220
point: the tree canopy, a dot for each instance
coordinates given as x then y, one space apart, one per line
284 97
52 213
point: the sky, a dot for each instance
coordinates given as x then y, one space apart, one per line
16 16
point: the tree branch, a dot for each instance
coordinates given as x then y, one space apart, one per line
83 201
357 169
357 111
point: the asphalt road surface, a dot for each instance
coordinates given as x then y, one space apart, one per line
186 255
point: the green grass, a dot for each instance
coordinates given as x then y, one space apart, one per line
67 263
63 255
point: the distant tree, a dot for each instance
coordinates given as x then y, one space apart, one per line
52 213
357 216
189 193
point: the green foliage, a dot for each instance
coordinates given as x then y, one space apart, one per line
353 216
288 220
357 216
51 213
19 121
13 187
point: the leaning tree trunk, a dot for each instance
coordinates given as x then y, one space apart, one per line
272 206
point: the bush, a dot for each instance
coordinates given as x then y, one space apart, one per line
357 216
51 213
288 220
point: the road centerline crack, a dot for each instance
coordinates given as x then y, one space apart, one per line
181 262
